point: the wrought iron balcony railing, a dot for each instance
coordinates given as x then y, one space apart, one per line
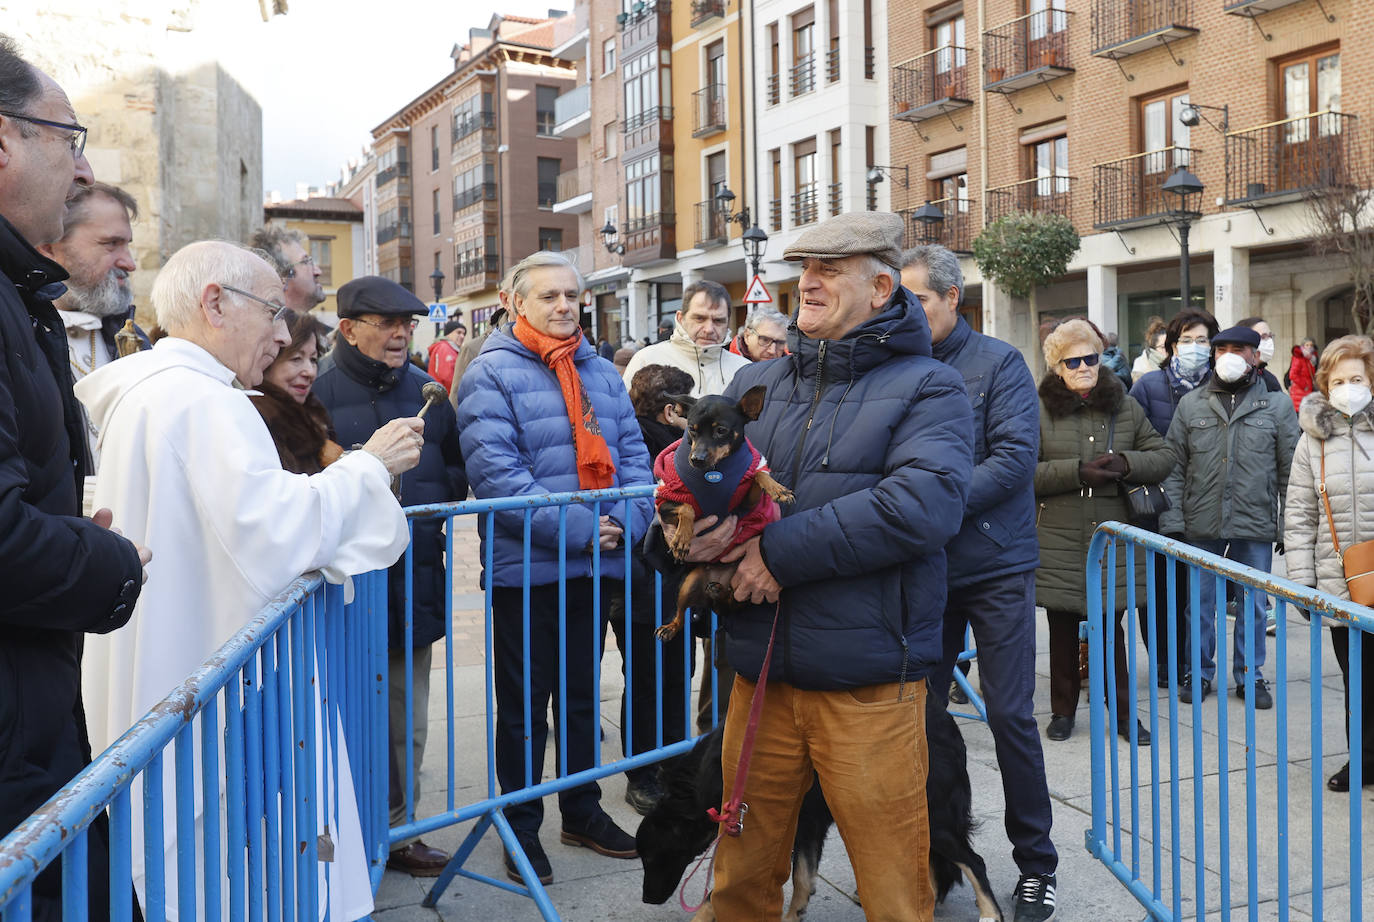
1027 50
1129 191
832 65
392 172
712 228
774 93
705 10
651 114
469 126
1043 195
870 62
836 198
470 196
775 213
805 206
1288 159
931 84
955 232
803 76
1125 27
708 110
476 263
393 231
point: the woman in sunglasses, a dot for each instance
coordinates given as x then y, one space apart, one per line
1094 441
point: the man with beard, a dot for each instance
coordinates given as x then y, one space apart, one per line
299 274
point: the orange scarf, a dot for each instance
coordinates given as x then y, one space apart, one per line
595 469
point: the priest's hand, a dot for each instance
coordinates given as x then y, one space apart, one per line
708 547
397 444
105 518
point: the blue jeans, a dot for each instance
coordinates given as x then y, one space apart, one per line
1256 554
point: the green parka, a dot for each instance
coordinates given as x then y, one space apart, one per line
1074 430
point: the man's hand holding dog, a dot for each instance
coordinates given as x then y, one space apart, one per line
752 581
708 547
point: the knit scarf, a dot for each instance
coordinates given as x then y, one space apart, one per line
595 469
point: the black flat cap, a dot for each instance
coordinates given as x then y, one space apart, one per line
373 294
1239 336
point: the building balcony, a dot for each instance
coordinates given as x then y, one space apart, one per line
468 127
832 65
1125 27
572 113
475 271
641 11
571 34
708 111
394 171
774 91
647 117
704 11
1289 159
870 62
955 232
1045 195
713 229
803 75
933 84
1254 7
805 206
1129 192
835 197
775 214
398 231
574 194
649 239
471 196
1028 50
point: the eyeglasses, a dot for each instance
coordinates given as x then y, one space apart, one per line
768 342
1089 360
77 139
278 309
395 323
306 260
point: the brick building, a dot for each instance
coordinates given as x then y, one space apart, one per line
1082 107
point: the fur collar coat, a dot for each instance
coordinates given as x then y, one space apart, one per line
303 433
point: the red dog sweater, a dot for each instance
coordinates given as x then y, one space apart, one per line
718 491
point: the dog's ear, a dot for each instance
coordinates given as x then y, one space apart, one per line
751 404
684 403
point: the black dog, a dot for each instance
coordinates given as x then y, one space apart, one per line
677 830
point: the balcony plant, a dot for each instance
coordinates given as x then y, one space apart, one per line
1021 252
995 74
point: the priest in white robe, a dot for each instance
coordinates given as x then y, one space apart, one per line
189 463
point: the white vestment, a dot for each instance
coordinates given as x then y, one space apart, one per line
191 472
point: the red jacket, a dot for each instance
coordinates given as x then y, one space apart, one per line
443 356
1300 374
672 488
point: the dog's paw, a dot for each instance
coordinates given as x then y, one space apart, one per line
785 495
668 631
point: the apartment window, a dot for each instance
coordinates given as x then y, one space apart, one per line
804 181
612 214
436 210
1041 22
715 64
947 179
608 143
947 39
1048 160
1310 83
715 181
1161 129
549 168
608 57
551 239
803 51
436 269
471 115
832 53
870 52
642 199
775 206
641 89
474 184
774 64
433 148
835 197
544 97
321 251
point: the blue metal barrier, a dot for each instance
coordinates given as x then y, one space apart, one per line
244 733
488 810
1168 820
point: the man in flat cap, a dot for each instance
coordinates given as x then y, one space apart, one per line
364 381
873 435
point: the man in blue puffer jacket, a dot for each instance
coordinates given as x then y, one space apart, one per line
874 437
365 382
516 406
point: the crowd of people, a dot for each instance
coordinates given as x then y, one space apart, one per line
939 490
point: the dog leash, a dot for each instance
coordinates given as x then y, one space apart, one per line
731 815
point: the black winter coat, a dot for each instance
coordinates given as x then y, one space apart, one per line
875 439
62 574
362 395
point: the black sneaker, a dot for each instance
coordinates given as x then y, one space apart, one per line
599 833
1185 691
643 795
538 860
1263 700
956 694
1035 898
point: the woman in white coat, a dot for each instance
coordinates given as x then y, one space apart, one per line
1338 428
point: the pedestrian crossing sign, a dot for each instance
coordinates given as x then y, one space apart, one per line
438 313
758 292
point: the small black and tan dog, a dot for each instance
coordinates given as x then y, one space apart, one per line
713 470
678 830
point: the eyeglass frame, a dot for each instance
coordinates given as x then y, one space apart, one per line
1073 362
77 140
766 341
306 260
279 309
393 324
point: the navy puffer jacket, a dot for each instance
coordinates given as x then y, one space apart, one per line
517 441
362 395
875 438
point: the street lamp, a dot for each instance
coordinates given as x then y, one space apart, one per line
755 242
875 175
609 239
930 217
754 239
437 278
1184 184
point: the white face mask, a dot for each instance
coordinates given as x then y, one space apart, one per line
1231 367
1191 356
1157 355
1266 350
1350 398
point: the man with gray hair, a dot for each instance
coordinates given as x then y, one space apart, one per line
290 256
992 563
764 335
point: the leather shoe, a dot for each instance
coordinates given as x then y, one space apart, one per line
418 860
1060 728
599 833
1340 782
538 860
1185 693
1143 738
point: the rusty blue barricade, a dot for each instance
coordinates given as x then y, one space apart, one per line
243 731
1210 810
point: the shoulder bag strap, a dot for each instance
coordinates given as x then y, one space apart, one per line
1111 432
1331 523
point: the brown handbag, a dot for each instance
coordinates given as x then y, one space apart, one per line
1357 560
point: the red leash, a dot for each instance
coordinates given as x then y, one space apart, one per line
731 815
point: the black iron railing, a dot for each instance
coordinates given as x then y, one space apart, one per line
930 84
1287 159
836 197
775 213
392 231
1034 42
803 76
469 126
704 10
870 62
954 232
651 114
1116 22
475 262
805 207
1044 195
832 65
708 110
392 172
712 228
774 93
473 194
1129 191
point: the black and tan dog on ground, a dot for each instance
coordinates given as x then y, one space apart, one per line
678 830
713 470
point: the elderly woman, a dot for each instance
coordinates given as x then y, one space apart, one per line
1338 435
299 423
764 335
541 413
1094 441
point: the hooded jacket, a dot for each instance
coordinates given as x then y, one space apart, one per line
874 436
711 367
1301 374
362 395
1348 443
518 442
1234 449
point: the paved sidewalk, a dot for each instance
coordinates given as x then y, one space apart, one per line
589 887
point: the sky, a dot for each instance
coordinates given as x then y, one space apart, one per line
328 71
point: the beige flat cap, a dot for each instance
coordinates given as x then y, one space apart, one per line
859 233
